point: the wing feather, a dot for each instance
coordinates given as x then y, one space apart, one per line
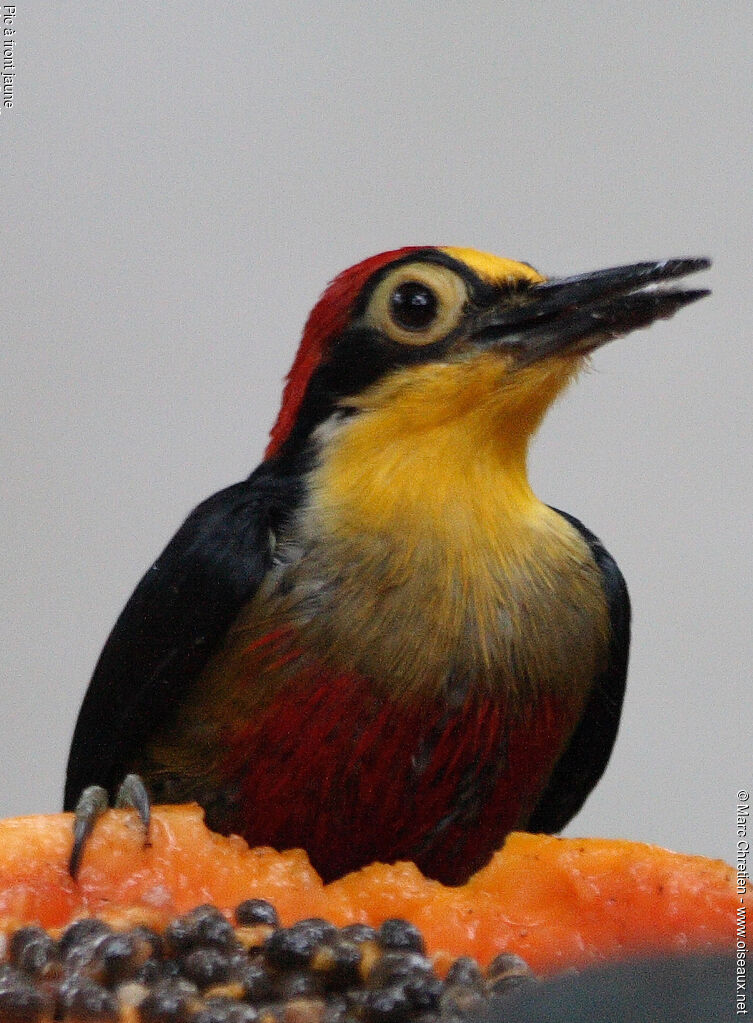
177 615
584 759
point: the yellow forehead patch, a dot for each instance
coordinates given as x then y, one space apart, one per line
494 269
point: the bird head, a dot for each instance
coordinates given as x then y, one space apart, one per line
427 334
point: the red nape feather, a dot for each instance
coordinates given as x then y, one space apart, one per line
351 777
328 317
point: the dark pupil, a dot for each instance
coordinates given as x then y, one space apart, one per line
413 306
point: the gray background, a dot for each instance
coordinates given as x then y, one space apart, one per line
179 181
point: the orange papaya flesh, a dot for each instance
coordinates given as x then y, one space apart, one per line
557 902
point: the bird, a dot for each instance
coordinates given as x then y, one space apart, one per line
382 645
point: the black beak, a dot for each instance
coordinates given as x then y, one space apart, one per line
581 313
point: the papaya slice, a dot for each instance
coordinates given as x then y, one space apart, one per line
557 902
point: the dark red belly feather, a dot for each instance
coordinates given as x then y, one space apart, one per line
334 768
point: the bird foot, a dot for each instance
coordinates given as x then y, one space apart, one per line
93 802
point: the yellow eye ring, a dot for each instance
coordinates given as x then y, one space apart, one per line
417 303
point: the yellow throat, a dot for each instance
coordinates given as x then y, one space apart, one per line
424 496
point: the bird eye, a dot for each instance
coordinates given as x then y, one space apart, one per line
413 305
417 303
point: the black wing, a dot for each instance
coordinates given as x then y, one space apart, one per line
584 759
179 612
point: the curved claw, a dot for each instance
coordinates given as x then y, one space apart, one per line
132 793
93 802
